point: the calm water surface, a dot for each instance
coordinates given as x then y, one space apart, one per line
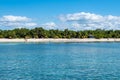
59 61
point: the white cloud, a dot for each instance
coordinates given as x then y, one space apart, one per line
49 25
14 18
31 24
75 21
83 21
11 21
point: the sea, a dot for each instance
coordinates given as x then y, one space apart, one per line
60 61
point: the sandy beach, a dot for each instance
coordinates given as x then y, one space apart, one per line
62 40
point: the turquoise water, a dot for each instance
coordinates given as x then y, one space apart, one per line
59 61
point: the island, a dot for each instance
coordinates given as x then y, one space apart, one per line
42 35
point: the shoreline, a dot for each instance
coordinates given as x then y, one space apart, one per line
2 40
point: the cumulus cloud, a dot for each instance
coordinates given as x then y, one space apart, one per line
49 25
83 21
16 21
75 21
14 18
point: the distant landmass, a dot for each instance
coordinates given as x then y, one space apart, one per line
39 32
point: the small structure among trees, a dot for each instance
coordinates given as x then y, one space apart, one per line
90 36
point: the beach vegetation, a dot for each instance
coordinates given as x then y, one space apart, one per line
40 32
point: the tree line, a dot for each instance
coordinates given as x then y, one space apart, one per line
39 32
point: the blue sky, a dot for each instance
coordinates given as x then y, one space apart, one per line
48 13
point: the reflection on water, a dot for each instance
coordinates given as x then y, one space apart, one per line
63 61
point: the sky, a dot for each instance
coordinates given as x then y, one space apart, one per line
60 14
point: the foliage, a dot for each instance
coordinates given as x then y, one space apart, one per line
39 32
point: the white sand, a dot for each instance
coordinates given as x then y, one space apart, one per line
62 40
